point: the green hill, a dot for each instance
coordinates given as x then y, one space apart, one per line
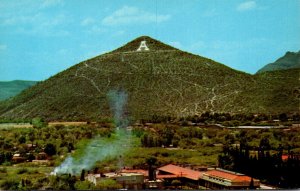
161 81
290 60
11 88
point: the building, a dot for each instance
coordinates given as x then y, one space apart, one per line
128 180
139 171
223 179
206 178
186 176
42 156
17 158
172 176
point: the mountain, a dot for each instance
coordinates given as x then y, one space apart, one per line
12 88
160 81
289 61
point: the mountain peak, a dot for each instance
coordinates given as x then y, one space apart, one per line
289 61
144 43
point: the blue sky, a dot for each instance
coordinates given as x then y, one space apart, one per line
39 38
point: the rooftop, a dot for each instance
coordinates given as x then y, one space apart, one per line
232 176
181 172
139 171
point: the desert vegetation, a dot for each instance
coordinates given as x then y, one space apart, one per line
193 140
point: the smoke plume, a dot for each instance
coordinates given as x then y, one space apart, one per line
117 100
100 148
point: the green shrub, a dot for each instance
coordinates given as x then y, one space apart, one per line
3 170
108 184
22 171
11 184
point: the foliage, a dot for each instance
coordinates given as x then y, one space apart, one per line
38 122
63 182
263 160
11 184
22 170
84 185
3 170
108 184
50 149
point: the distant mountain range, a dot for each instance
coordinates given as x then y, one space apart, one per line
11 88
160 81
290 60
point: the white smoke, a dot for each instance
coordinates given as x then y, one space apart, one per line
117 100
100 148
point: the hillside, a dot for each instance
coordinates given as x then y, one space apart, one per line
290 60
11 88
161 81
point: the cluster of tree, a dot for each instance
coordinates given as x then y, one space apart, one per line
169 135
8 120
267 165
226 118
58 140
5 157
158 135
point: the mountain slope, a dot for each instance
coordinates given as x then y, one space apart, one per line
161 81
290 60
12 88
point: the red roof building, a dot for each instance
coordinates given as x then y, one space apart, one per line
284 157
223 179
212 179
173 171
186 176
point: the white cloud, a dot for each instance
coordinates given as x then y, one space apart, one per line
38 24
50 3
210 13
176 44
133 15
248 5
96 30
119 33
20 19
3 47
35 19
87 21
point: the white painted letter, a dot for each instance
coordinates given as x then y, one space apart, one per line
143 46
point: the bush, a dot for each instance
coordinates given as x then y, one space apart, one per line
108 184
3 170
84 185
11 184
22 171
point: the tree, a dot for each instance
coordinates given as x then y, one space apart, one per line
31 137
84 185
38 123
63 182
10 184
229 138
251 186
176 183
50 149
82 175
22 139
151 161
283 117
30 157
265 144
108 184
